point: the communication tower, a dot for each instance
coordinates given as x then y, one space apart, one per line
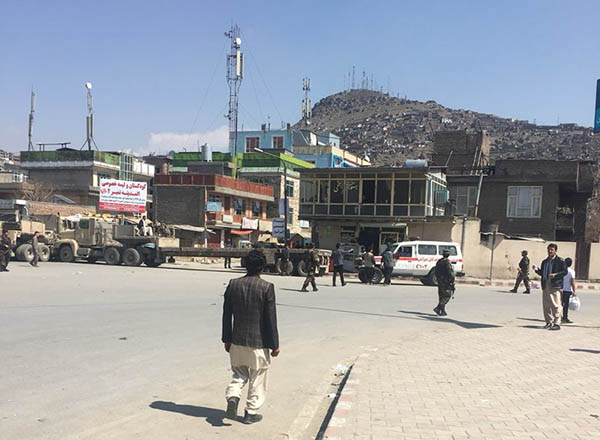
306 104
235 73
89 120
31 112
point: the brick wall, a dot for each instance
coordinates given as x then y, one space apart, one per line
178 204
46 208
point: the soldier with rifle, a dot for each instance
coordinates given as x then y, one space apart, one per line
445 282
312 265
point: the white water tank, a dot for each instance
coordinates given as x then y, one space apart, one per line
206 153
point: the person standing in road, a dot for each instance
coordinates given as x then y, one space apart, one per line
5 245
387 263
312 265
369 263
228 259
285 257
252 338
523 274
553 271
568 290
444 274
338 264
35 249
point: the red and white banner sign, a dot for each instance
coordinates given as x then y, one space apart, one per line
122 195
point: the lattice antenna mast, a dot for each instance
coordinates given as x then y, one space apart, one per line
306 104
235 73
31 113
89 119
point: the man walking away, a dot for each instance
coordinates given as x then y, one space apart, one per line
250 302
5 246
285 257
553 271
338 264
228 259
35 249
312 265
369 263
523 274
568 290
445 281
387 262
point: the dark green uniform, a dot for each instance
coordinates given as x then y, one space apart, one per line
312 265
445 281
5 245
523 275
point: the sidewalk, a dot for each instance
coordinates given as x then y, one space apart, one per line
535 284
512 382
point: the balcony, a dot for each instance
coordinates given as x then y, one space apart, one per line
215 181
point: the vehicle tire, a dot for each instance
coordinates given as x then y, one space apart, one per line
65 254
301 268
430 279
24 253
377 276
142 257
362 275
44 252
284 268
112 256
131 257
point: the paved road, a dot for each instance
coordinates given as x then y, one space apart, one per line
97 352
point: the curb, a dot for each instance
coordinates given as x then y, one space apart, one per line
511 284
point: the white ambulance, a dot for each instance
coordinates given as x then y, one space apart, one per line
418 259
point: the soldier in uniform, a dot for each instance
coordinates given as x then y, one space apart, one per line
445 281
523 274
35 249
5 245
312 265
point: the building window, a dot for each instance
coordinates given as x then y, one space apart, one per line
256 209
465 198
290 218
323 191
384 191
524 201
212 197
289 188
417 192
352 191
277 142
252 143
337 191
238 206
401 192
308 191
368 191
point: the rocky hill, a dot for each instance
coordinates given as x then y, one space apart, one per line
390 130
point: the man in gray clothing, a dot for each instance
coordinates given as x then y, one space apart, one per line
35 249
250 302
338 264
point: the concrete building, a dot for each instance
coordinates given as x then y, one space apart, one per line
372 205
329 156
230 209
76 174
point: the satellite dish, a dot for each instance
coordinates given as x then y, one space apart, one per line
88 85
238 41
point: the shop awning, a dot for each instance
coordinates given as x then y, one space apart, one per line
242 232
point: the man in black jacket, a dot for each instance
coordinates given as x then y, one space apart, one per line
523 274
250 302
5 245
552 272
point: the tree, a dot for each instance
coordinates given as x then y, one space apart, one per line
37 191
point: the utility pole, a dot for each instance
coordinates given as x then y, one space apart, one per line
306 104
31 112
235 73
285 193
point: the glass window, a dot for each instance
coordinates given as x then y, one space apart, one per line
465 198
451 249
368 191
306 209
290 216
384 191
323 191
404 251
351 210
417 211
427 249
239 206
84 223
417 192
524 201
256 209
252 142
321 209
383 210
336 209
366 210
352 191
401 210
337 191
401 191
277 142
289 188
308 191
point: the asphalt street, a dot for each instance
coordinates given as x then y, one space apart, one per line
98 352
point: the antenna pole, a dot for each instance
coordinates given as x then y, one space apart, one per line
306 104
31 113
235 73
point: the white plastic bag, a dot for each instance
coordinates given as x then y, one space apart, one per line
574 303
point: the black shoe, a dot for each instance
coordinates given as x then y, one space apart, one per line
513 291
547 326
527 291
438 311
304 289
555 327
443 312
232 406
315 290
566 321
343 284
249 419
